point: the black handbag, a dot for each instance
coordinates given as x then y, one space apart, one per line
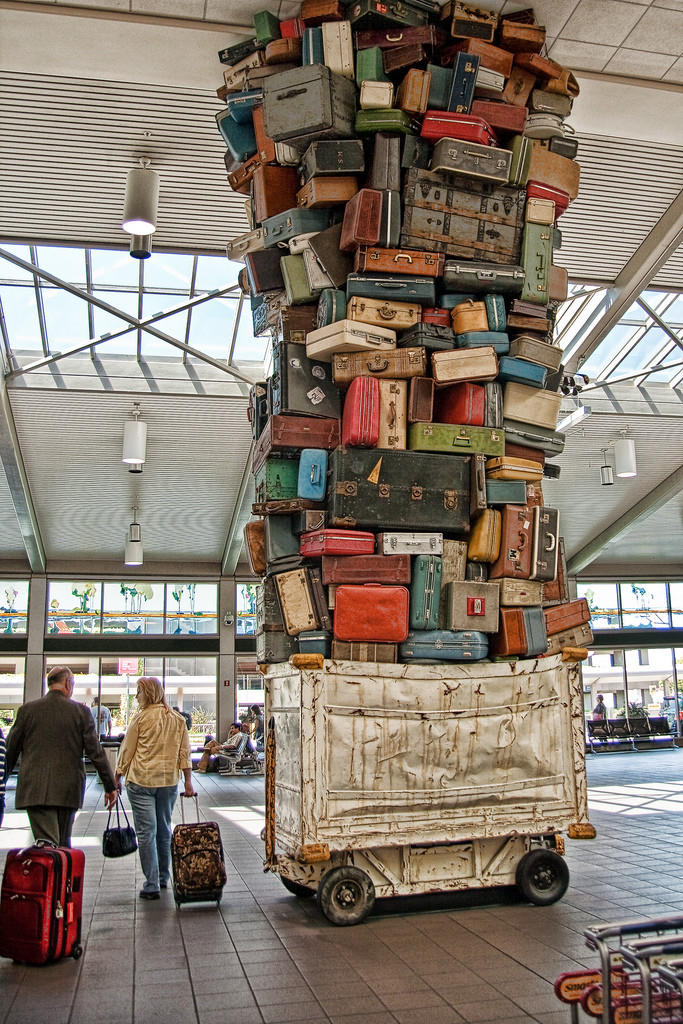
119 841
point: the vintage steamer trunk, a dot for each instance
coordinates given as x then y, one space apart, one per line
307 104
454 813
399 490
462 217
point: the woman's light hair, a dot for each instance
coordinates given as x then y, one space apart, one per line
150 691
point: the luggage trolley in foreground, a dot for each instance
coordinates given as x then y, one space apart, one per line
397 779
629 953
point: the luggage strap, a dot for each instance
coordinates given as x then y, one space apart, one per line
182 805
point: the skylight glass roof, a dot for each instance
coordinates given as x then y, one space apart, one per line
42 318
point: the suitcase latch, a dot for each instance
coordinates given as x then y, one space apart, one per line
450 500
384 491
349 487
476 606
416 494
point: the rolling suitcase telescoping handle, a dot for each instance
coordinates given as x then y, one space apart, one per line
182 805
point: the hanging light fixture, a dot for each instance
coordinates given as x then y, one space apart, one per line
134 439
625 456
142 199
141 246
134 552
606 472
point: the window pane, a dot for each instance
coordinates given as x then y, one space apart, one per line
190 685
66 319
215 272
212 325
649 673
247 347
191 608
13 606
119 678
109 267
65 263
10 271
603 672
602 601
644 606
246 608
676 592
168 270
108 323
11 689
21 318
133 608
73 607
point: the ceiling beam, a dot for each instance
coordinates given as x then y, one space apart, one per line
126 317
240 515
17 481
633 517
647 260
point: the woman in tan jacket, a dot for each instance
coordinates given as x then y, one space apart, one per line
154 753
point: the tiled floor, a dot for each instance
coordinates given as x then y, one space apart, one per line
266 957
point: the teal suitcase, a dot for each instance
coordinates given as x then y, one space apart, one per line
369 66
452 299
416 153
239 138
331 306
520 371
286 225
455 438
393 287
537 257
475 339
312 478
434 646
388 120
495 312
506 492
312 46
439 87
425 592
277 478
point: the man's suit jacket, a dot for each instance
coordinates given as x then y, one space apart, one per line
52 734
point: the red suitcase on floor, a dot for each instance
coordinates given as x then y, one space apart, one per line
439 124
41 904
372 613
366 569
337 542
461 403
360 421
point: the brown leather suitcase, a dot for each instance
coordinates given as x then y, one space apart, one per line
534 491
503 117
552 169
388 38
558 284
365 569
401 364
315 12
521 451
514 560
240 179
518 87
471 22
398 316
320 193
478 364
283 51
362 222
265 147
520 633
255 543
538 65
403 261
393 413
296 601
566 616
518 37
413 92
404 56
291 433
421 400
469 316
274 190
295 322
491 57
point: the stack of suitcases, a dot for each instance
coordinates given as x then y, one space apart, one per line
404 167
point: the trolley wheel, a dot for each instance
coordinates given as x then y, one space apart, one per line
77 952
304 892
542 876
346 895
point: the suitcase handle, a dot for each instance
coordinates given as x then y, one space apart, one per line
182 805
291 94
465 442
386 313
315 474
377 369
550 543
394 39
402 256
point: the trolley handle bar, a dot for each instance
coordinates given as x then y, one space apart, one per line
642 949
599 932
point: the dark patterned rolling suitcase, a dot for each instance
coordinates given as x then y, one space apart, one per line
197 860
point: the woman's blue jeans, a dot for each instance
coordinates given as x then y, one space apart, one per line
152 811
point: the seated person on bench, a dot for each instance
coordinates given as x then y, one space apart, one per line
238 751
209 759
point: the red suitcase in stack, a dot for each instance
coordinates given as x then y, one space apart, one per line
436 316
366 569
41 904
565 616
440 124
360 422
337 542
371 613
461 403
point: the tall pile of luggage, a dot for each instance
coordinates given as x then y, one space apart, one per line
404 167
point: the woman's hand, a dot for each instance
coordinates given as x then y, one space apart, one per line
189 789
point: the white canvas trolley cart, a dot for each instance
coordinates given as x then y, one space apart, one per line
386 780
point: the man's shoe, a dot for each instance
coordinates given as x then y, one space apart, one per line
163 885
149 895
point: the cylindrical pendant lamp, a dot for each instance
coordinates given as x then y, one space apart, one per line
134 439
134 553
625 457
141 246
142 200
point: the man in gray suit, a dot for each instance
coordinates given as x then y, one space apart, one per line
52 734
